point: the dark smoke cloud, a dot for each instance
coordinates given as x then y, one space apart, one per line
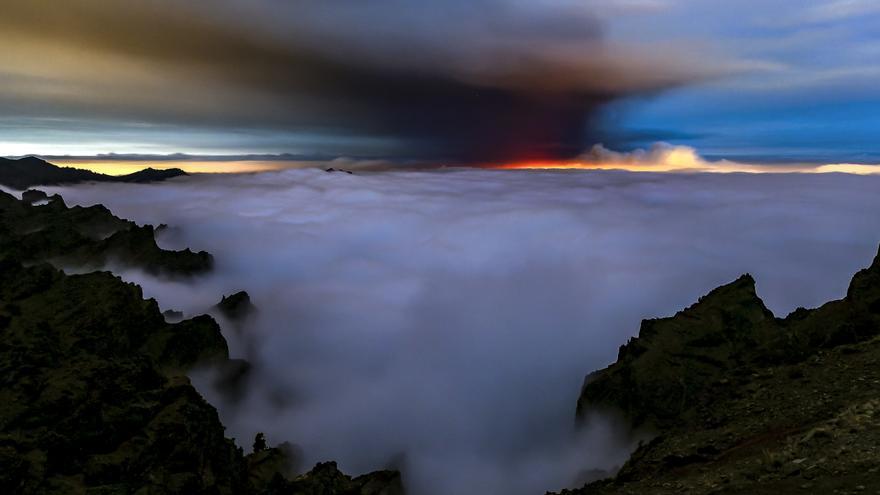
444 321
462 80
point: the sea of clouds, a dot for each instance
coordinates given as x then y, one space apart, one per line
442 322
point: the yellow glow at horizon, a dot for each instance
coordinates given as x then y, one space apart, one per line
687 166
648 167
681 163
849 168
122 167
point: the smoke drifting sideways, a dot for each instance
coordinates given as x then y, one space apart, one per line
467 81
442 322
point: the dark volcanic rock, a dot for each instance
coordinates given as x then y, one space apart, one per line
93 396
661 376
331 170
137 246
87 237
326 478
237 306
265 464
32 171
149 175
172 316
744 402
32 196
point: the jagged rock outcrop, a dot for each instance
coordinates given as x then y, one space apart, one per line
137 246
93 392
87 237
660 377
743 402
32 171
236 307
327 478
32 196
172 316
264 464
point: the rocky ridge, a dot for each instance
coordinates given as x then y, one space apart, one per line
94 397
740 401
90 238
32 171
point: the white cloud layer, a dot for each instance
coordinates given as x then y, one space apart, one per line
664 157
443 321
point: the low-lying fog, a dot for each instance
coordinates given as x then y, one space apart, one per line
443 322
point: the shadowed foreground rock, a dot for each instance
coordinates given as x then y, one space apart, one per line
87 237
93 393
744 402
237 306
32 196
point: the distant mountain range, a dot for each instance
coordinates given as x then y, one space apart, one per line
32 171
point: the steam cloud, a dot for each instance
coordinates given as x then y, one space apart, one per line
465 80
442 322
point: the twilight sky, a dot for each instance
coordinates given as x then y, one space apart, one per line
453 82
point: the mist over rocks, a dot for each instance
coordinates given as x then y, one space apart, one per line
32 196
450 316
739 398
41 228
237 306
95 378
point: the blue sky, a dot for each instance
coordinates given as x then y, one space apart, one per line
812 93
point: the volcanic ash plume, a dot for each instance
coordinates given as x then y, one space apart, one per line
462 81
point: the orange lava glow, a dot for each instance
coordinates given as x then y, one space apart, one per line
699 167
543 165
631 167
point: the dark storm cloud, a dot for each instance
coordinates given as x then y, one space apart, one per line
478 80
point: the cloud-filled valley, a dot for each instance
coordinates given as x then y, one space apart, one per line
442 322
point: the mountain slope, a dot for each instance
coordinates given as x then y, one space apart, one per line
94 396
742 402
31 171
